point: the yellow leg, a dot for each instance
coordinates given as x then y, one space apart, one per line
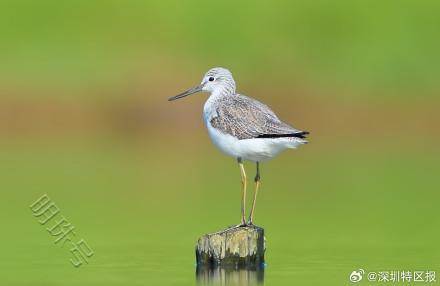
243 195
257 185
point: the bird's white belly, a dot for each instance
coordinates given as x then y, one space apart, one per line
256 149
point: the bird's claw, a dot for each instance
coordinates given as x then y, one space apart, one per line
245 224
242 224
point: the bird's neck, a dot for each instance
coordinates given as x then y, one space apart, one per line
221 91
209 108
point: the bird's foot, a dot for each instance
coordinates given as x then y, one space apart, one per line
242 224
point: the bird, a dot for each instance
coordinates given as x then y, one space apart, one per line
243 128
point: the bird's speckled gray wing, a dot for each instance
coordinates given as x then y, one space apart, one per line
246 118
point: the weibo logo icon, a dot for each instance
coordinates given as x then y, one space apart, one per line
357 275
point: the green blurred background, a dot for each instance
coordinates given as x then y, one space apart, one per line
84 119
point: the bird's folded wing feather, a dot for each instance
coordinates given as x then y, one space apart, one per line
247 118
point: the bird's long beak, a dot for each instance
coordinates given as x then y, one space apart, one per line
188 92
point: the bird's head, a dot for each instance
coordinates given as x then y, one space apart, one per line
215 80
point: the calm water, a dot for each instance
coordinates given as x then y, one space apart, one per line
144 266
381 215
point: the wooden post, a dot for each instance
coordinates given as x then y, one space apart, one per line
232 247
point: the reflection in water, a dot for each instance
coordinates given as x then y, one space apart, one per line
230 276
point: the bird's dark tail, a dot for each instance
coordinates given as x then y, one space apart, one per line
301 135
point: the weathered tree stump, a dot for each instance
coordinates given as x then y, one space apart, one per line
236 247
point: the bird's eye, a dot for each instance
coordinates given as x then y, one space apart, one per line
211 78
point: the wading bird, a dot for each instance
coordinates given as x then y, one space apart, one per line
242 127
